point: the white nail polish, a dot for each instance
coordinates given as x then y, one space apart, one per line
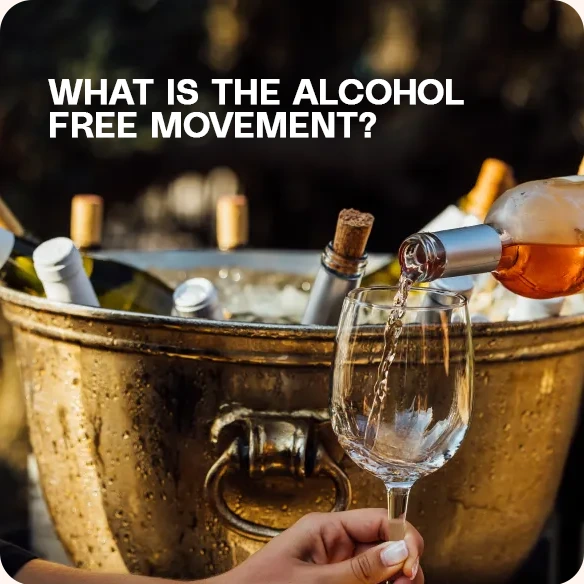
394 553
415 568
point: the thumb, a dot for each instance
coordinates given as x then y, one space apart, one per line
371 567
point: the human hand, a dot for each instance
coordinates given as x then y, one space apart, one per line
335 548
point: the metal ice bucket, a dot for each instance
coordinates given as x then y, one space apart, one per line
177 448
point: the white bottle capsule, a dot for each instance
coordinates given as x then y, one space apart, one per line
59 267
197 298
531 309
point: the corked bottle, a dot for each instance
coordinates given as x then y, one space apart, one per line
87 222
232 222
343 263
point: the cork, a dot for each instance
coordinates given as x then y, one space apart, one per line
87 221
495 177
232 222
8 221
352 233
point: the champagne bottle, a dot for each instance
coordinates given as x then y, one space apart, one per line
118 286
532 241
342 265
495 177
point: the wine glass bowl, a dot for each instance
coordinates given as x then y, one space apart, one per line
407 420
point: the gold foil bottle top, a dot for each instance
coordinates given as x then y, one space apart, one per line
495 177
232 222
8 221
87 221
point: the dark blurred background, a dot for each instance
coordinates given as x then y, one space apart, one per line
518 64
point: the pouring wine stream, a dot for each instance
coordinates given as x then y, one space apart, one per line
393 329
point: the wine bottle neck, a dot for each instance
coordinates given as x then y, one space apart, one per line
59 267
425 257
341 265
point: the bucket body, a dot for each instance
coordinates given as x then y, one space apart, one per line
176 448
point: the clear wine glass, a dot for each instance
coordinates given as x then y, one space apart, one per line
407 420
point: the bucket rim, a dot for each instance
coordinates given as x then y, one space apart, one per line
153 321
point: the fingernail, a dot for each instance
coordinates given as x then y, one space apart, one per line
415 568
394 553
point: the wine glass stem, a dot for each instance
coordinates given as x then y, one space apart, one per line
397 506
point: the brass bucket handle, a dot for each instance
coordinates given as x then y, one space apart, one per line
273 447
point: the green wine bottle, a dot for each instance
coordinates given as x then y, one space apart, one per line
117 285
135 290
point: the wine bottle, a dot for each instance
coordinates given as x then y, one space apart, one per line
118 286
532 241
132 290
232 233
87 222
197 298
494 178
342 266
232 222
59 267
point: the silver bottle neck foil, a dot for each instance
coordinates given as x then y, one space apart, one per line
336 277
454 252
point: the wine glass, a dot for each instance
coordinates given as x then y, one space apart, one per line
403 421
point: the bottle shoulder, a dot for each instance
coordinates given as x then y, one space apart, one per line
549 211
118 272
